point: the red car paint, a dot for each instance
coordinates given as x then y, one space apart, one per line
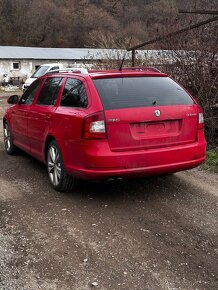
136 140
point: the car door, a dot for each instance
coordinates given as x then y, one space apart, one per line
74 103
41 114
19 116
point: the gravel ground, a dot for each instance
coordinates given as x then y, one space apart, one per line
149 234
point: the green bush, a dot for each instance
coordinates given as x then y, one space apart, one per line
212 160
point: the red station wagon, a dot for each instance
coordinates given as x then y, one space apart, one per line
98 125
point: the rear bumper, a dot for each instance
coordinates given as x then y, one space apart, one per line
99 163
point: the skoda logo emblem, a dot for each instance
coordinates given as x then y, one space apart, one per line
157 113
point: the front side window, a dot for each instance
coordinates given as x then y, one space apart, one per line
133 92
40 71
74 94
29 94
49 92
54 68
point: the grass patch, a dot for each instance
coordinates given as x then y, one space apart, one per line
211 162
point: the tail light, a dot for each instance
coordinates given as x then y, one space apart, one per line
94 126
200 120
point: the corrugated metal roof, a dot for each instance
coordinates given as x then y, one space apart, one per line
18 52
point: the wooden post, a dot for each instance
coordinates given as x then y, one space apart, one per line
133 57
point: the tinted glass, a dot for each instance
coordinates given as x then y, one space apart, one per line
29 94
130 92
74 94
49 92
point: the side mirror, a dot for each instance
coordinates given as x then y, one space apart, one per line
12 100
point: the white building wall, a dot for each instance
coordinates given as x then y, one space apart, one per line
6 67
26 67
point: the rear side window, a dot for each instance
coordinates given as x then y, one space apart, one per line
49 92
74 94
130 92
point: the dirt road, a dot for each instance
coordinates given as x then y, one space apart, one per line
150 234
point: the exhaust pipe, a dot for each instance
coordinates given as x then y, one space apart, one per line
112 179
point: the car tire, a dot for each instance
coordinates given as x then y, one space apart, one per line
10 148
58 176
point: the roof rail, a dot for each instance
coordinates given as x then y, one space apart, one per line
153 69
83 71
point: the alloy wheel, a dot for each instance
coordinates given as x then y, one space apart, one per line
54 165
7 138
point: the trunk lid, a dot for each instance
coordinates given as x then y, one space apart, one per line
140 128
147 112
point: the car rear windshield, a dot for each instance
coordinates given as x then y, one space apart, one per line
131 92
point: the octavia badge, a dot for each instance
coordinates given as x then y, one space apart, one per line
157 113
